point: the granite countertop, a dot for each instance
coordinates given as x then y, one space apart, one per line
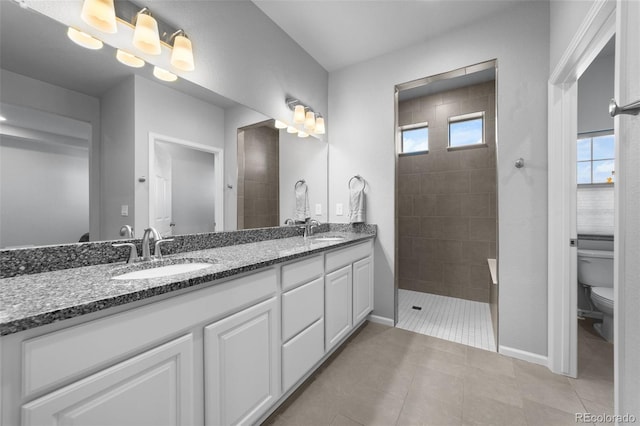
29 301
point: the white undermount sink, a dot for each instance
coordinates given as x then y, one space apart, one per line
325 238
162 271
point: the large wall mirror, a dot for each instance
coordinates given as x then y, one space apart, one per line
90 147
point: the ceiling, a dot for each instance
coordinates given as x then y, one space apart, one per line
339 33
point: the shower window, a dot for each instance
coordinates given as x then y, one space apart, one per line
414 138
466 130
596 158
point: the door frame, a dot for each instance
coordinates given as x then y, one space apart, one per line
218 164
595 31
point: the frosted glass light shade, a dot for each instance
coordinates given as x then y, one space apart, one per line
84 39
302 134
145 36
100 14
164 75
298 114
128 59
310 121
182 54
320 130
292 129
280 125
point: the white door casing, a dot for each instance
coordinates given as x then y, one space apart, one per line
627 208
595 31
160 187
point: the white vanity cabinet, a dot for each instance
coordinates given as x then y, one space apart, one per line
150 389
349 290
242 365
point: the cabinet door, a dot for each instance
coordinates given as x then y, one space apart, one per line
362 289
338 306
242 374
153 388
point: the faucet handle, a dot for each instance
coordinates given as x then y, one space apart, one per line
157 252
133 252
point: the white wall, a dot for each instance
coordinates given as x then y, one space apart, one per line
165 111
44 192
595 90
565 17
302 158
117 160
23 91
362 141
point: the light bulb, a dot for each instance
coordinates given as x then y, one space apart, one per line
128 59
302 134
310 121
84 39
100 14
164 75
320 130
145 36
182 54
298 114
292 129
280 125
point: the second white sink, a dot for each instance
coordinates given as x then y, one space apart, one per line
162 271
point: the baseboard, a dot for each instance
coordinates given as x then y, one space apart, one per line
381 320
523 355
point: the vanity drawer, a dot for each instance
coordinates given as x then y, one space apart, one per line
301 353
302 271
346 256
302 306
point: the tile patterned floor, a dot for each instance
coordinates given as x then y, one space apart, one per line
449 318
389 376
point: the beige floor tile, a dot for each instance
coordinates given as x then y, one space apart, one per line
490 362
435 359
598 408
437 385
315 406
478 410
371 407
394 380
527 372
556 395
594 390
442 345
499 388
420 409
340 420
543 415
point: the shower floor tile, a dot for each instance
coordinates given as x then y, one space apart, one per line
448 318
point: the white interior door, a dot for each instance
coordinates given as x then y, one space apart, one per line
162 186
627 195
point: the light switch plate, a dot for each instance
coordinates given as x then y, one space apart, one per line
339 209
319 209
124 210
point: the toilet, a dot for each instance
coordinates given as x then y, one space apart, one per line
595 269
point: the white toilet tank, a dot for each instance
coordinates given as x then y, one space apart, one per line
595 268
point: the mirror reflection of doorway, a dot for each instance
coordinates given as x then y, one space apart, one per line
447 206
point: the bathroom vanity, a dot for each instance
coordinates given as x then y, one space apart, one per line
221 345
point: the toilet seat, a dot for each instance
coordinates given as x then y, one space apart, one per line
604 295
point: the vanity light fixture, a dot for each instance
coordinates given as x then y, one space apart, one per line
280 125
100 14
146 36
302 134
292 130
182 53
2 118
83 39
164 75
128 59
313 121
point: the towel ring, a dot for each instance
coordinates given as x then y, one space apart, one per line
360 178
300 182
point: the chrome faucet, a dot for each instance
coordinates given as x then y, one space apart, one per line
309 227
146 252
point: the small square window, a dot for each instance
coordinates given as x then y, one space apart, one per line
415 138
466 130
596 158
